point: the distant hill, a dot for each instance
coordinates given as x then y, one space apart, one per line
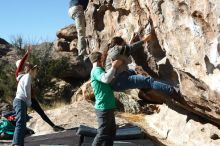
3 42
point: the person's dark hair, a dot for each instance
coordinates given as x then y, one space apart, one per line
31 67
116 41
95 56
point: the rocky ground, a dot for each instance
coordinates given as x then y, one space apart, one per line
169 125
68 116
175 127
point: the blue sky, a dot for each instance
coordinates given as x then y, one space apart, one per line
34 20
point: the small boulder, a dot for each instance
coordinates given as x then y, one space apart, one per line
61 45
68 33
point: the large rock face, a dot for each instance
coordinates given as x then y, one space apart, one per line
188 51
185 49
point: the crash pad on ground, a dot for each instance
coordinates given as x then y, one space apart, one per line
125 132
66 138
137 142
